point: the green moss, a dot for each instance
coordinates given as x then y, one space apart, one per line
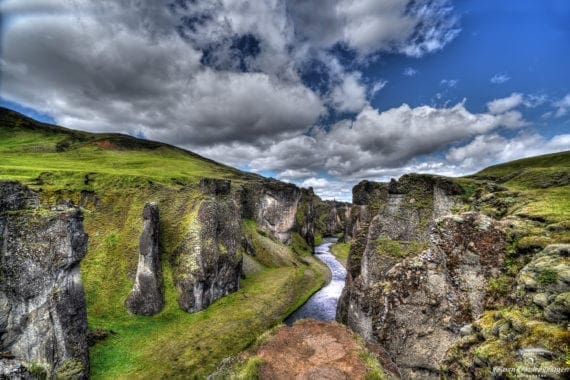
268 252
250 370
341 251
533 243
547 277
318 238
299 245
37 371
500 286
399 248
71 369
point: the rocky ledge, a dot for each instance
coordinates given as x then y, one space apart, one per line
43 321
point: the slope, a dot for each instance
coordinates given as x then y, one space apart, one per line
111 177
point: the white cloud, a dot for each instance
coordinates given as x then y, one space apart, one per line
315 182
502 105
350 94
489 149
562 106
409 72
377 86
374 142
410 27
500 78
449 82
291 174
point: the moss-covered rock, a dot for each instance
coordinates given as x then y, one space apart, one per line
42 304
545 282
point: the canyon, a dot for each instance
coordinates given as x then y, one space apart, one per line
444 276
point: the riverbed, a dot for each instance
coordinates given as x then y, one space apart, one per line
322 305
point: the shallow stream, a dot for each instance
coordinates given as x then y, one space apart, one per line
322 305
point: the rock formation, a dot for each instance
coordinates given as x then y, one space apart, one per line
415 275
146 297
43 322
273 205
545 281
332 217
208 264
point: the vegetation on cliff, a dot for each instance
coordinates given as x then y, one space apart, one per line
517 314
112 177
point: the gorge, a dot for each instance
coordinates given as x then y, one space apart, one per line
102 264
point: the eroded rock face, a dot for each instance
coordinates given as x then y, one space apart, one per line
333 217
273 205
209 264
43 317
146 297
416 275
545 281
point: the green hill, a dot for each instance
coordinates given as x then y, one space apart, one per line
55 157
539 189
112 176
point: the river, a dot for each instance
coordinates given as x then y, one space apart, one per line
322 305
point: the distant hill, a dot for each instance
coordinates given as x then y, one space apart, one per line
30 149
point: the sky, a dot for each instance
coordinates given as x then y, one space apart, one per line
320 93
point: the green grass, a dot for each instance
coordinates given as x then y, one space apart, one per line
29 154
340 251
177 344
123 173
539 188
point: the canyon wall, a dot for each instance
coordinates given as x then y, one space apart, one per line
416 274
208 264
43 321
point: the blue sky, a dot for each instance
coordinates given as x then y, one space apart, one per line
322 93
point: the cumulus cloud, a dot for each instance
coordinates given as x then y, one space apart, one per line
488 149
198 73
562 106
292 174
104 68
350 94
505 104
413 28
500 78
375 141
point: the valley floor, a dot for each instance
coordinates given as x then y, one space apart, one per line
174 343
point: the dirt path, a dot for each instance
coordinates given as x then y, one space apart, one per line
312 349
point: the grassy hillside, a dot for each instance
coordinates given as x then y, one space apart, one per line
536 189
112 176
57 158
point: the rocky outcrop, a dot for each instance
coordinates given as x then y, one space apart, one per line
43 322
208 264
545 282
333 217
273 205
417 275
146 297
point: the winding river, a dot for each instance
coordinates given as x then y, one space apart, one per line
322 305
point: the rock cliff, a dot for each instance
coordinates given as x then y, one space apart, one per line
43 322
208 264
274 206
416 276
146 297
332 217
451 292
